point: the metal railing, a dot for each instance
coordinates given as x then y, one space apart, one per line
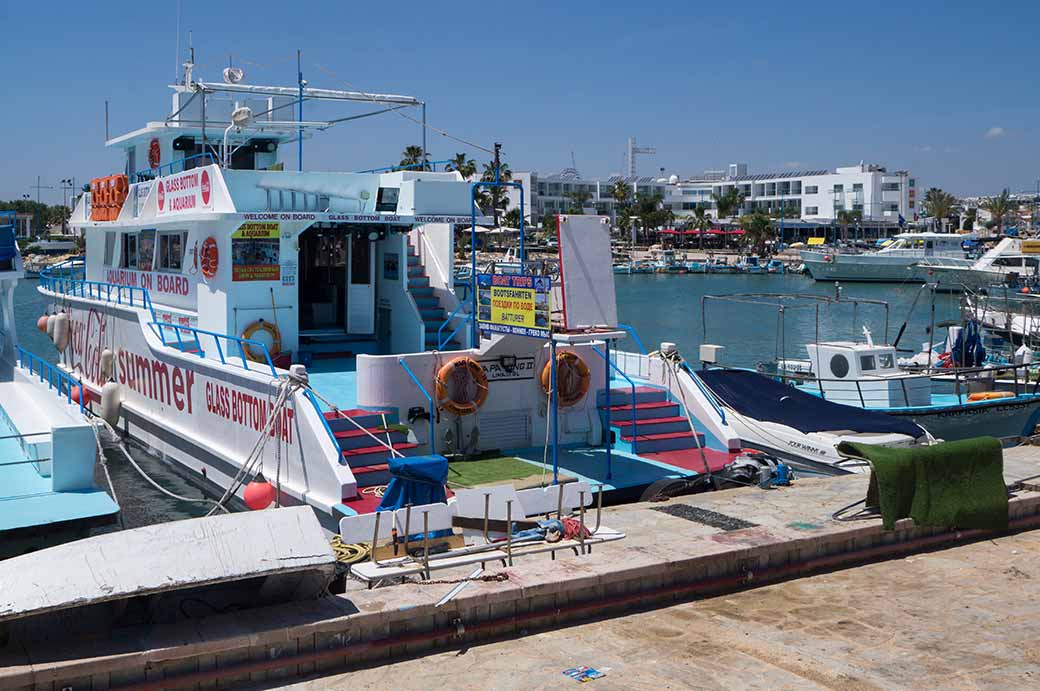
54 376
152 173
242 344
960 379
429 400
707 393
631 383
413 166
632 332
441 342
99 290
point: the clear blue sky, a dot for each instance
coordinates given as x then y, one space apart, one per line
945 89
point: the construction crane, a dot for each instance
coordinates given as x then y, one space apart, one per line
633 150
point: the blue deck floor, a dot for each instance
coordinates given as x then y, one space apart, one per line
26 497
590 464
336 380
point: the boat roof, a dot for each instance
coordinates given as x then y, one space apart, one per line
933 236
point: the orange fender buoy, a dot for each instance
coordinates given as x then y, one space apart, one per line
572 378
258 495
41 323
461 386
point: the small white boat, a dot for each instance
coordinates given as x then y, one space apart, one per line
1017 256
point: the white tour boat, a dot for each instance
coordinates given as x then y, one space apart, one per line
1009 256
898 262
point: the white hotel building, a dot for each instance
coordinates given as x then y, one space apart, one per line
817 195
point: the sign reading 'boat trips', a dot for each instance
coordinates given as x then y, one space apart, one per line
184 192
255 251
516 305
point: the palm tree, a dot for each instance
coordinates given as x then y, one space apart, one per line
648 210
578 200
939 204
413 157
465 166
701 222
495 197
998 207
728 204
846 218
758 228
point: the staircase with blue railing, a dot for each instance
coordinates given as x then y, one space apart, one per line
660 424
430 308
366 456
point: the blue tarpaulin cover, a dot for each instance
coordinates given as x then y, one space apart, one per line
762 398
416 480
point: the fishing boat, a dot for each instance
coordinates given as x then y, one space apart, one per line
898 262
751 264
285 337
776 266
48 449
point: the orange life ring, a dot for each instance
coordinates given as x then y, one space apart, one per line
572 378
254 353
209 257
827 258
461 386
989 395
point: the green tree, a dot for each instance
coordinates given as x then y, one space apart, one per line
758 228
648 210
969 218
727 205
847 217
413 156
700 221
999 207
465 166
939 205
496 197
512 218
578 200
549 224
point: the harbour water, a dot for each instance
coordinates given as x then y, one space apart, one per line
661 307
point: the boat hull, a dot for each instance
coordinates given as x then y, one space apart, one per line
867 268
1001 418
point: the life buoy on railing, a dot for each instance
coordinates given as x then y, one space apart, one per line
252 352
572 378
828 258
461 386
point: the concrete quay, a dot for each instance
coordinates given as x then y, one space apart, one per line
666 557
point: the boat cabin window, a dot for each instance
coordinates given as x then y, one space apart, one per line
1008 261
867 363
171 251
146 250
886 360
839 365
110 248
386 199
128 258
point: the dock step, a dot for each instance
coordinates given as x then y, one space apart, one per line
654 425
623 396
671 441
370 455
365 418
350 439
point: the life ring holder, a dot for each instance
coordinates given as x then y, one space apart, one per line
475 370
568 359
272 330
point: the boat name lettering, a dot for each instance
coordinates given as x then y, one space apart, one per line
156 380
806 447
246 409
87 338
171 284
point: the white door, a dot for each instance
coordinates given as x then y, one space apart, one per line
361 289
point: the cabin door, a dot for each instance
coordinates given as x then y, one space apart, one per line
361 289
322 280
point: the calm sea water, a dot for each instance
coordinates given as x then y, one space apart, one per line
661 307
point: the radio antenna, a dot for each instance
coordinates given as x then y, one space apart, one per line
177 47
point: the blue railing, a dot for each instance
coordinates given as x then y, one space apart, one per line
390 169
49 373
707 392
152 173
429 400
631 383
632 332
442 341
242 343
324 421
72 268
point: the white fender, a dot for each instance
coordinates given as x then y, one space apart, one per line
108 359
111 402
61 331
50 325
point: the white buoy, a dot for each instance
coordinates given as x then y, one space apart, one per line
108 359
61 332
111 402
50 325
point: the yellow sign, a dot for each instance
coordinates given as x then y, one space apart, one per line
817 241
514 304
1031 247
256 230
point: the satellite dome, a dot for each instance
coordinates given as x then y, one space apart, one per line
673 180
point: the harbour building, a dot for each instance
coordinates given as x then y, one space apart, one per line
811 198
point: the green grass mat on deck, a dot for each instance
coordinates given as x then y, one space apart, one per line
490 470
